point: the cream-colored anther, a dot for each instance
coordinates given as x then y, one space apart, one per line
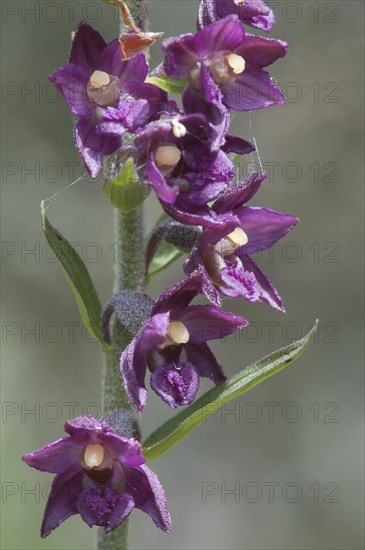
239 2
168 156
178 333
99 79
178 129
236 62
238 236
94 455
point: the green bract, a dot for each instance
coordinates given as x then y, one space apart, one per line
124 191
78 278
177 428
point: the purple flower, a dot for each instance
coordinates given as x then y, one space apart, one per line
177 157
222 256
172 345
132 114
191 208
221 57
101 475
95 79
251 12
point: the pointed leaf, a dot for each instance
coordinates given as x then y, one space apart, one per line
125 192
78 278
177 428
169 85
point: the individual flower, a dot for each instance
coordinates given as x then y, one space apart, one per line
95 78
101 475
251 12
176 157
181 158
222 256
192 207
223 57
130 115
172 345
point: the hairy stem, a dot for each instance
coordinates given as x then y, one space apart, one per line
129 274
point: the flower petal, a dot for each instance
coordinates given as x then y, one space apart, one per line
143 485
205 362
237 195
121 510
207 322
132 73
268 292
126 450
71 80
86 47
133 369
58 456
178 295
180 56
130 115
176 384
211 105
93 146
237 145
62 501
158 100
226 34
252 90
156 180
263 227
155 330
251 12
261 51
83 425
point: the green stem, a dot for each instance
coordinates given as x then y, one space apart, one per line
129 274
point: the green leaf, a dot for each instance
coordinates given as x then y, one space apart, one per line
165 255
125 192
78 278
169 85
177 428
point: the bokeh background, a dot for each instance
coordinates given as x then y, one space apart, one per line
292 448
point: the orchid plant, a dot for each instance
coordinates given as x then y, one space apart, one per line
166 131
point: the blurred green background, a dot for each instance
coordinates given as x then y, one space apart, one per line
292 448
